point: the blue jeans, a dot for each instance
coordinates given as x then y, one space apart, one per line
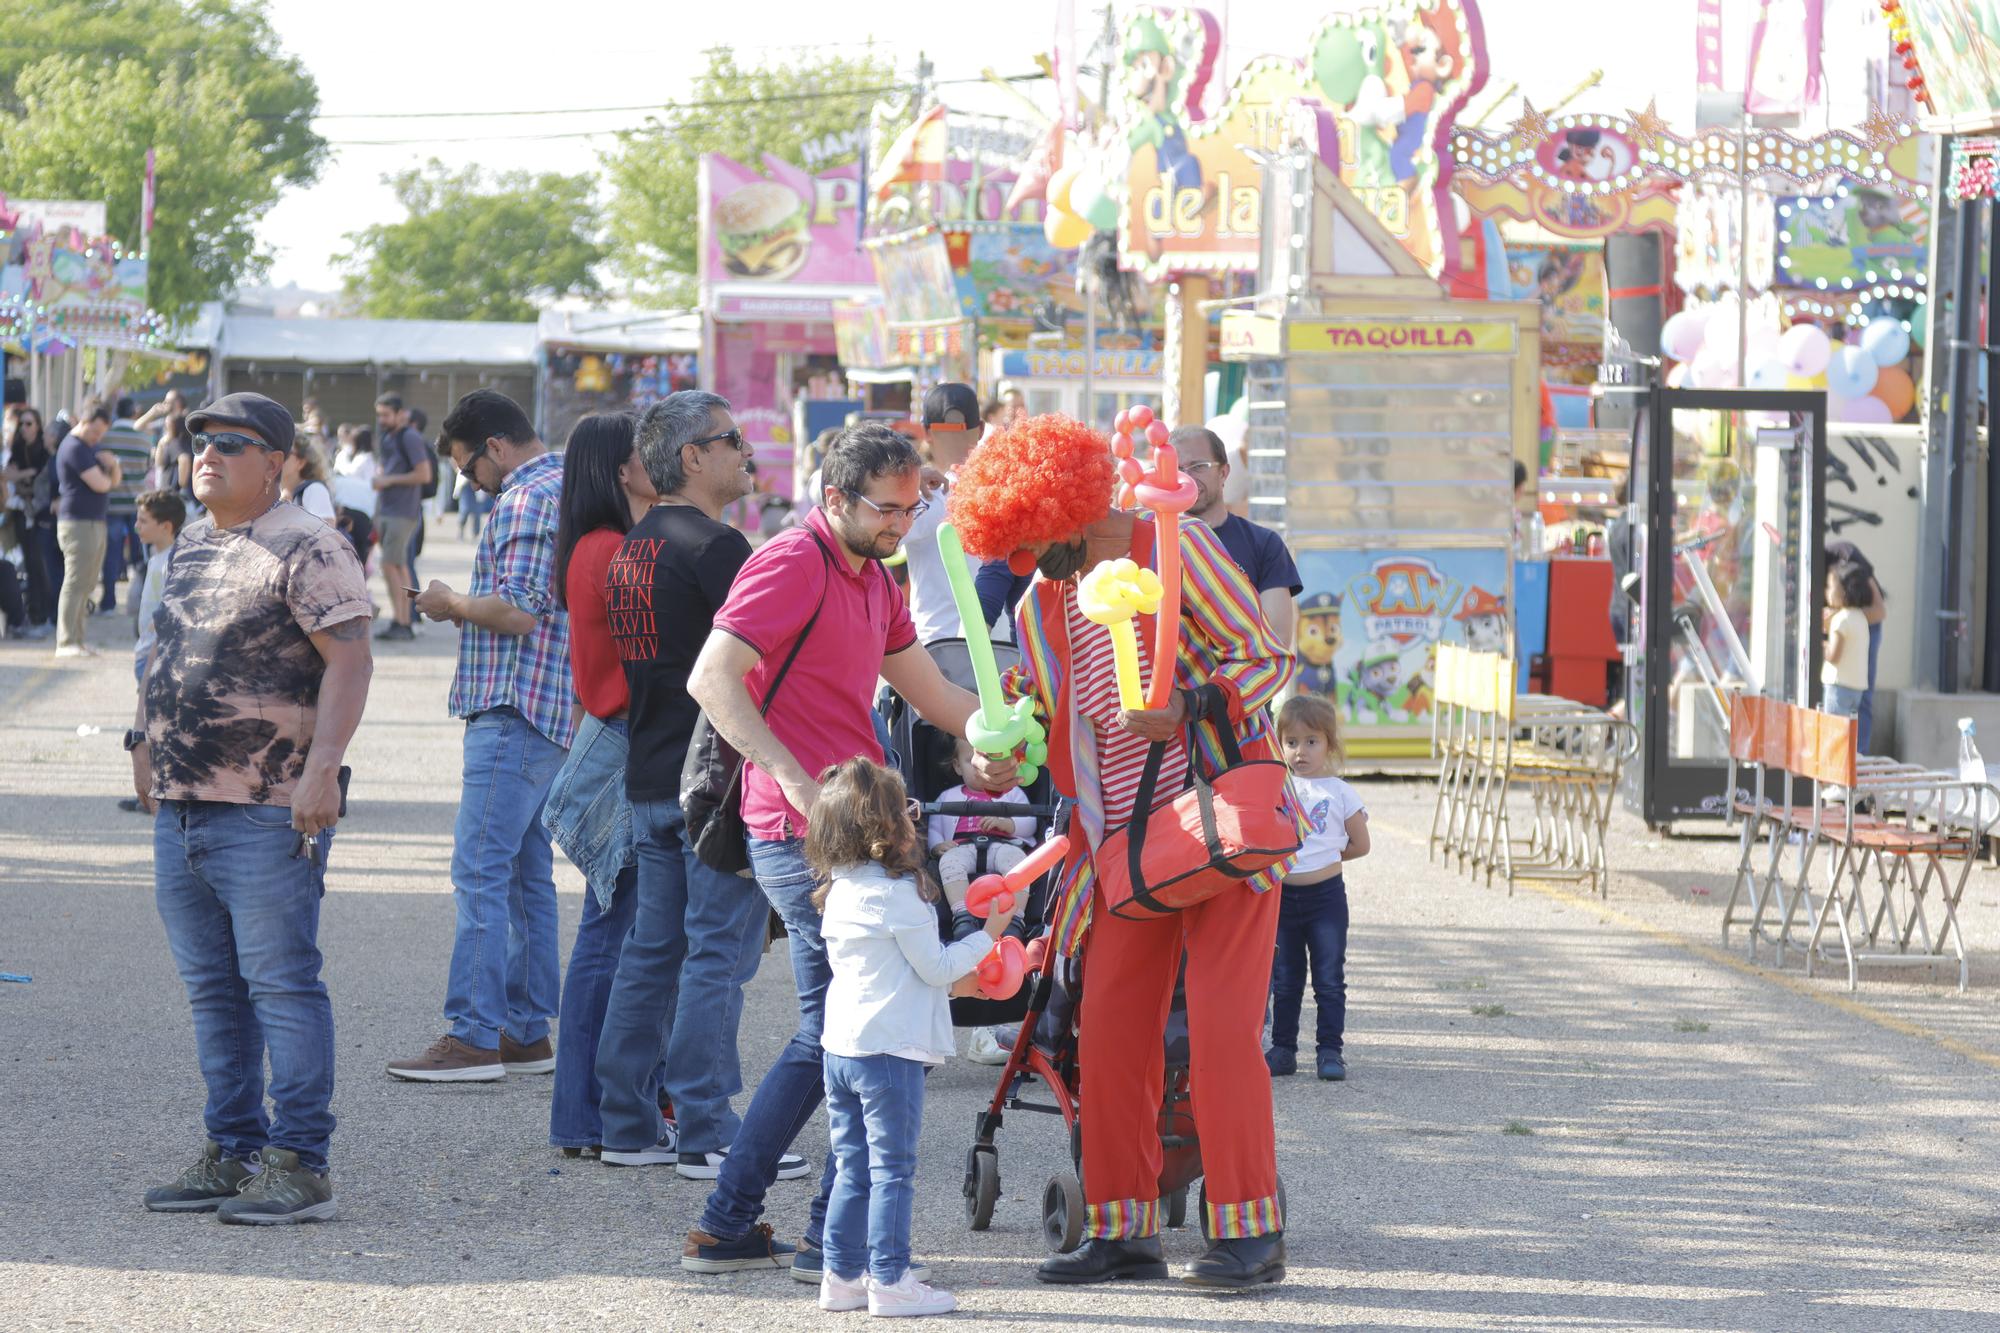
593 961
874 1111
793 1087
242 919
1312 921
696 942
1867 714
506 969
117 536
1844 700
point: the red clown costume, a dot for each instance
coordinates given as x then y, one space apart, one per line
1043 482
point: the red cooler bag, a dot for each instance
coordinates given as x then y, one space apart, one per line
1226 827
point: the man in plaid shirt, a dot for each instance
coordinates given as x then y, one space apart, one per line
512 688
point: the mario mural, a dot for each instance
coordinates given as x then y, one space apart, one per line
1387 82
1370 623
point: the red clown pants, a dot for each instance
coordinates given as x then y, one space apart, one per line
1128 990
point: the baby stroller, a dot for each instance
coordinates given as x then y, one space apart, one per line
923 755
1045 1048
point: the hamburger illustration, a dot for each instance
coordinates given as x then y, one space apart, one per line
761 228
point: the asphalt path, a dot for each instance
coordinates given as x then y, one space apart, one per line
1561 1113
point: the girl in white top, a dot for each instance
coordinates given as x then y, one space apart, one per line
1844 669
888 1019
303 481
354 472
1312 914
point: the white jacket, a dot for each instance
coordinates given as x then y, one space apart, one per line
890 969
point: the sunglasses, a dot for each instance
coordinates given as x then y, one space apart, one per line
229 446
735 438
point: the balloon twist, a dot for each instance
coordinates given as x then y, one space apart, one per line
990 893
1111 595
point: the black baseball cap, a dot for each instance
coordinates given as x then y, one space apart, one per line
254 410
951 406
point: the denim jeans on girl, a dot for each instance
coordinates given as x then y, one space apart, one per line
506 969
589 818
593 962
1844 700
242 919
1311 921
793 1087
874 1112
697 937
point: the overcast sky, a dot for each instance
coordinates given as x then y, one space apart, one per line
376 56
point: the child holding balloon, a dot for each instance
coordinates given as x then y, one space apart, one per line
887 1022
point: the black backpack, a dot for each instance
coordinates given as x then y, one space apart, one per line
430 488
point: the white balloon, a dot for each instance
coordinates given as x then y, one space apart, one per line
1681 336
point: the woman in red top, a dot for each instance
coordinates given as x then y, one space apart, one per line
605 491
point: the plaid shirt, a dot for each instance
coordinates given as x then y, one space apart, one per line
516 563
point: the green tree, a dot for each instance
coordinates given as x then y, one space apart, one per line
87 86
743 112
476 249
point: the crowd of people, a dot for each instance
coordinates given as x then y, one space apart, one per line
617 635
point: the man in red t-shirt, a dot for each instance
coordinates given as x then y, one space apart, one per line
819 589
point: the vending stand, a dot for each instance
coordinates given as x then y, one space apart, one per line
1054 380
1385 421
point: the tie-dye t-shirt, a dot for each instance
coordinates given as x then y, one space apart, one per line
234 690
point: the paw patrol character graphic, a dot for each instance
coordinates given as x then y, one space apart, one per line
1485 619
1375 691
1319 642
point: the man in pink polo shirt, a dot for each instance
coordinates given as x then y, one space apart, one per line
822 582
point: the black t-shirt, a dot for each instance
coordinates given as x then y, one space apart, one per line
662 591
1260 553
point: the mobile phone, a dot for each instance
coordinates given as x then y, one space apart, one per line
343 777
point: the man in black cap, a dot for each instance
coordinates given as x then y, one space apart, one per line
253 690
952 425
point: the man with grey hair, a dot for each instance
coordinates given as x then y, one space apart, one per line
698 933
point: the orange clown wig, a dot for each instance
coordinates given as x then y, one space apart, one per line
1039 481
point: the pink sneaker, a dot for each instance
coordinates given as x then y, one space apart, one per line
839 1293
907 1296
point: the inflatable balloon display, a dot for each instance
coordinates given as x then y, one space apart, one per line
1851 373
1681 336
1896 391
1805 349
1886 342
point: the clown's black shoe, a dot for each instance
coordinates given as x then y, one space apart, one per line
1247 1261
1100 1260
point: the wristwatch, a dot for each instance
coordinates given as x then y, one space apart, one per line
134 738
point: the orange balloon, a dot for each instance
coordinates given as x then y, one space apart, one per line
1893 387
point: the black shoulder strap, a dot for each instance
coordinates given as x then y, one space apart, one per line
771 695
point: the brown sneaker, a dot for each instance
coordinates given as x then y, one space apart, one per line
537 1057
450 1060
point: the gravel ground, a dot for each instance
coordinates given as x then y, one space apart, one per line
1561 1113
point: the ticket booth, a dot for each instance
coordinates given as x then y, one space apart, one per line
1385 421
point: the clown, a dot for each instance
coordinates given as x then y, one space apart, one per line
1319 642
1484 617
1040 494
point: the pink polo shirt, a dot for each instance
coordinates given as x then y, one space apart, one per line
824 710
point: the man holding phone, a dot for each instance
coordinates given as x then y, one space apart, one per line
251 694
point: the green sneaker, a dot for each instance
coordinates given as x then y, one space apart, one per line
282 1192
203 1186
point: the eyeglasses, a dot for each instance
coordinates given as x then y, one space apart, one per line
1196 469
465 468
735 438
229 446
910 512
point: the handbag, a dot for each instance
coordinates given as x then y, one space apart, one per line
712 774
1226 827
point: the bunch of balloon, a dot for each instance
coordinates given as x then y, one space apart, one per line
1169 493
1078 201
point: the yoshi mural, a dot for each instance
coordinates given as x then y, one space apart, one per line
1388 81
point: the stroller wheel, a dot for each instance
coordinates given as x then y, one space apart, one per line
1203 1206
1176 1209
982 1187
1062 1213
